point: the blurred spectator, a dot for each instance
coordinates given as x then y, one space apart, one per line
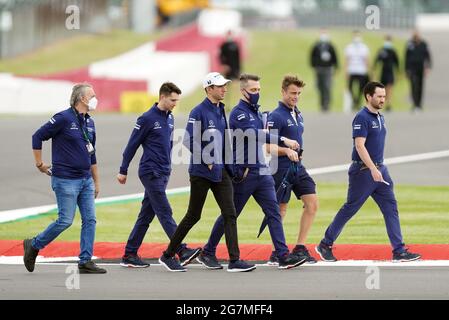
417 65
389 61
357 59
230 57
323 59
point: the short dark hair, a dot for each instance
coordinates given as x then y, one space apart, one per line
167 88
291 79
370 88
245 77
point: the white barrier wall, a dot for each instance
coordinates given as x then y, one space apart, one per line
433 22
23 95
185 69
216 22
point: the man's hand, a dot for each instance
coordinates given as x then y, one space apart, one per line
292 144
121 178
377 176
42 167
97 190
292 155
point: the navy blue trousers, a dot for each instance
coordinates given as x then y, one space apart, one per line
362 186
154 203
261 187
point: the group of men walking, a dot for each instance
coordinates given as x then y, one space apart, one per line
230 163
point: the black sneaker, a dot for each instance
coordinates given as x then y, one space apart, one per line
302 252
325 253
90 267
290 261
405 256
274 260
209 261
240 266
171 263
29 255
187 255
133 261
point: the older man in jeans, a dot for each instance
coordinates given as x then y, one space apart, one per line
74 175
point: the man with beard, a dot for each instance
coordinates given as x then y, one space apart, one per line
368 176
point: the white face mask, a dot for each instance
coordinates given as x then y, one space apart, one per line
92 105
324 37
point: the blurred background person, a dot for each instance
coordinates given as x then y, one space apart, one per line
418 62
387 57
357 61
323 59
230 57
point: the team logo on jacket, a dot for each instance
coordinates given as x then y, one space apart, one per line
74 126
157 125
251 118
375 125
211 124
289 123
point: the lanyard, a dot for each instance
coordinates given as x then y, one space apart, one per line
86 137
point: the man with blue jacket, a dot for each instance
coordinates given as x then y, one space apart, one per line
205 138
74 175
288 120
153 131
369 177
252 175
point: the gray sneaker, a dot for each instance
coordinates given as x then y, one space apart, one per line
209 261
405 256
187 255
325 252
302 252
29 255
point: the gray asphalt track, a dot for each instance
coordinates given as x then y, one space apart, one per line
309 282
327 141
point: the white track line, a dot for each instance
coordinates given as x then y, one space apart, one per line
68 261
11 215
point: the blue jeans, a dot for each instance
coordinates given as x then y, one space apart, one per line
69 193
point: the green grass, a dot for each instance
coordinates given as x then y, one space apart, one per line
272 54
423 214
76 52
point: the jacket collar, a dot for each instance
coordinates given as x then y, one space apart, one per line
285 107
159 111
244 104
212 106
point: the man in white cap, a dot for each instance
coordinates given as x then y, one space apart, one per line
209 171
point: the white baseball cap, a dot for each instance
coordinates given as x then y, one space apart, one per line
214 79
